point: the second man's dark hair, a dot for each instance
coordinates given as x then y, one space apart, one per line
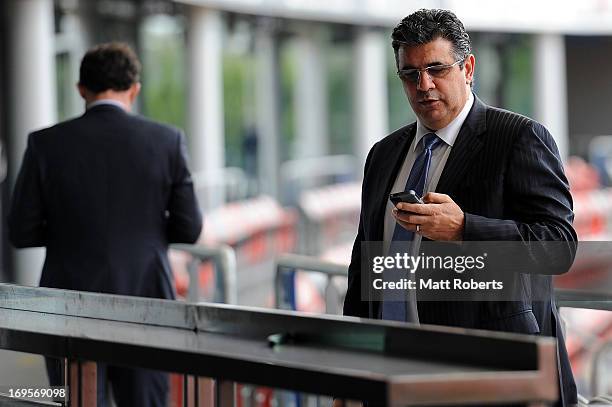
424 26
109 66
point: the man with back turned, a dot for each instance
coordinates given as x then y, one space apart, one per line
106 193
497 176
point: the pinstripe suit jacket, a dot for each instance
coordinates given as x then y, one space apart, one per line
505 173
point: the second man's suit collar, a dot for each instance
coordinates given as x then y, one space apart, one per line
107 102
105 107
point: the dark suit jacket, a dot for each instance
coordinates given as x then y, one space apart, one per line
505 173
105 193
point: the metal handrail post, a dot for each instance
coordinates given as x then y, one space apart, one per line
598 360
224 259
227 264
292 262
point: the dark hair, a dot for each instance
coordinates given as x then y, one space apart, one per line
424 26
109 66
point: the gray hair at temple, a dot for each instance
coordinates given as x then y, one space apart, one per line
425 25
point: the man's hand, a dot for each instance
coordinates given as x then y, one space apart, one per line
338 403
440 218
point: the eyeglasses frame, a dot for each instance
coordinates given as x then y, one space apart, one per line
426 70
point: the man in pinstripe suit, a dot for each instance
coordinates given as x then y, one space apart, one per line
497 176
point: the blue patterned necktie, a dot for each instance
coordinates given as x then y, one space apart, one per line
394 303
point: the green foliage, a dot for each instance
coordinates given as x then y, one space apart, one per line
339 57
400 112
164 93
518 83
237 79
288 78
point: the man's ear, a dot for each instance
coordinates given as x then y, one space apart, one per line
82 90
134 91
470 65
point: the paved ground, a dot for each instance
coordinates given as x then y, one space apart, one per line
21 369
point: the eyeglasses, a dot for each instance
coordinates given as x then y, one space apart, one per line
435 71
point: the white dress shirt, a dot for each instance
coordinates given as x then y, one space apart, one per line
106 102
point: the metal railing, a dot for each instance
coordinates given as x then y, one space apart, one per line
330 355
583 299
600 357
285 295
224 260
593 301
284 280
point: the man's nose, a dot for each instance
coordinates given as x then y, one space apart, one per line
424 82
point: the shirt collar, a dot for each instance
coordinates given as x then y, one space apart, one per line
449 133
112 102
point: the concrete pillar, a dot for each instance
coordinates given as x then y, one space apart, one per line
371 121
311 123
489 70
267 108
72 42
31 88
4 190
550 87
206 129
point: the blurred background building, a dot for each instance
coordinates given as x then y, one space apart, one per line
280 96
282 99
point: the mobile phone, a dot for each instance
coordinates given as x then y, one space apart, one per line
405 196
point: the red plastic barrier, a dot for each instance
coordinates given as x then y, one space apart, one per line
581 175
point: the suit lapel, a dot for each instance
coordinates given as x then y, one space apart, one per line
394 158
466 147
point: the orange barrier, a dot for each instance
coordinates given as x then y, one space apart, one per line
257 229
330 215
239 221
593 214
